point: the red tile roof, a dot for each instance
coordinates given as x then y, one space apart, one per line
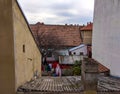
68 34
101 68
88 27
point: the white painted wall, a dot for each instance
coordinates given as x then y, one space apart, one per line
63 52
78 49
106 34
68 59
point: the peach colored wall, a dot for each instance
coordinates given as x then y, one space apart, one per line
7 68
16 66
28 62
87 37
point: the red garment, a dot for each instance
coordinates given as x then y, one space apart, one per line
54 65
42 68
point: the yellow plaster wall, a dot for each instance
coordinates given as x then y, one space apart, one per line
16 66
26 63
7 73
87 37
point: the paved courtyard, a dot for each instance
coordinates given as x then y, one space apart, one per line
68 84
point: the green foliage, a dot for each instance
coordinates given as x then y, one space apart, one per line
77 68
77 63
74 70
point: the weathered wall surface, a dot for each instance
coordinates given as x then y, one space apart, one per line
16 66
87 37
106 34
79 50
7 84
27 55
69 59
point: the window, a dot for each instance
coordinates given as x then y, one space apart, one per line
70 53
23 48
81 53
74 53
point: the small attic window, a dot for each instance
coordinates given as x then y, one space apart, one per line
23 48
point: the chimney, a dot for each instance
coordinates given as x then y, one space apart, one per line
38 23
87 23
42 23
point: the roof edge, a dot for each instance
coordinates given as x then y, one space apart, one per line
27 24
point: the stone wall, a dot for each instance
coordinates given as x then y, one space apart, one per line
106 31
89 76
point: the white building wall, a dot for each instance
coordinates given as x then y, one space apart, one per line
69 59
63 52
106 34
79 50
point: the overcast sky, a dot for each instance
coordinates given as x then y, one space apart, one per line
58 11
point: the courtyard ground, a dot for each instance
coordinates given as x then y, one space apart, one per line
68 85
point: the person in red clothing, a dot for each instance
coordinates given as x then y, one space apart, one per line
54 65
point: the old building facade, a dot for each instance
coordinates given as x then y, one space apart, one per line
20 58
86 33
106 31
56 38
69 35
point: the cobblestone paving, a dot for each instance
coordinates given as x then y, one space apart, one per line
68 85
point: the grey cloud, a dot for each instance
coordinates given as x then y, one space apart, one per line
59 9
65 14
61 6
80 20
